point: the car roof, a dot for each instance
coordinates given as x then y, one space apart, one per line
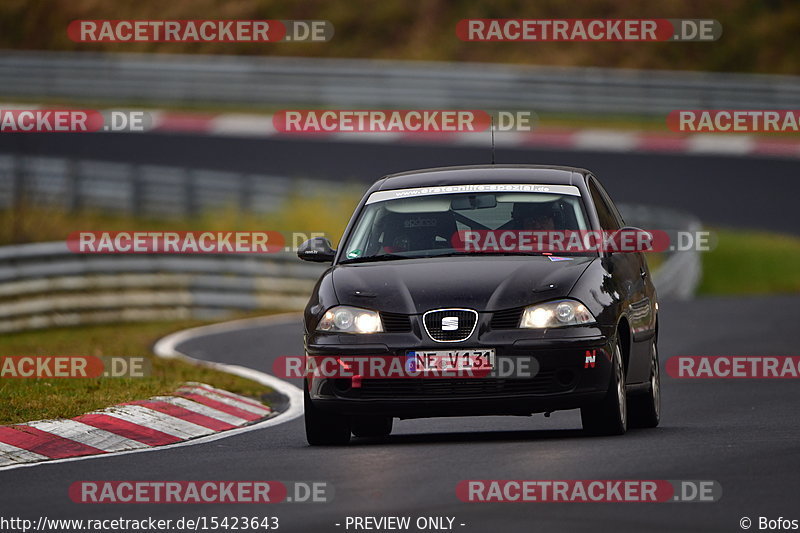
472 174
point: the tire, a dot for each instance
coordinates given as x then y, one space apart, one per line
324 429
372 426
645 409
610 415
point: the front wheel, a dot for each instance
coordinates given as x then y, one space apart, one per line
324 429
645 409
609 416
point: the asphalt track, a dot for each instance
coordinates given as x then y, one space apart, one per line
727 190
743 434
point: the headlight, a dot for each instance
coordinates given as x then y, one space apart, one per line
347 319
556 314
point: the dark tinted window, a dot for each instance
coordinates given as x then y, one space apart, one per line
426 226
608 221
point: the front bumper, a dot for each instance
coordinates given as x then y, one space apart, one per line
571 370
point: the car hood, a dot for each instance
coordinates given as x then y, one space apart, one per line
414 286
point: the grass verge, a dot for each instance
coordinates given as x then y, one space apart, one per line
34 399
751 262
327 213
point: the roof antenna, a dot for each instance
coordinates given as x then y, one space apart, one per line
492 139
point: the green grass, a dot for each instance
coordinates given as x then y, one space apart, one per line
752 262
757 36
34 399
329 214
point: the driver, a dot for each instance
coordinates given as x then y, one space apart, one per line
535 216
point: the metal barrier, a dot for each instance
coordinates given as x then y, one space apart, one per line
163 79
45 285
142 189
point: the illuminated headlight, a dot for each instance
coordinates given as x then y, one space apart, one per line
556 314
346 319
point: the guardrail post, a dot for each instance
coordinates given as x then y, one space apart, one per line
18 172
74 194
245 192
137 190
190 194
18 198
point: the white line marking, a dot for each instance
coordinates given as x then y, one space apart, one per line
10 455
165 348
201 409
88 435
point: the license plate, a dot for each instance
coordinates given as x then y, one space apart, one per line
450 360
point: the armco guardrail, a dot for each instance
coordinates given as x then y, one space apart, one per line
161 79
45 285
142 189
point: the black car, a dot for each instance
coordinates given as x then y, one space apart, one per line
402 285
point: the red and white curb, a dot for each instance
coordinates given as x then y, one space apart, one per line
604 140
196 410
195 414
242 125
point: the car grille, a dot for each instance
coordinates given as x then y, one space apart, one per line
396 323
544 383
506 319
463 320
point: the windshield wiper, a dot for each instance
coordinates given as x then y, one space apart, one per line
374 258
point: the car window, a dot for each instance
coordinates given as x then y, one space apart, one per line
609 202
428 225
605 213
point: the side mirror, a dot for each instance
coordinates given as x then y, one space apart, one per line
629 239
317 250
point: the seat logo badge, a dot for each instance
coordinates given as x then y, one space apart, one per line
591 356
450 323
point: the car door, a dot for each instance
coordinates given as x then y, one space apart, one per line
627 272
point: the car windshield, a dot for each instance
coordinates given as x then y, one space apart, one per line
432 222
